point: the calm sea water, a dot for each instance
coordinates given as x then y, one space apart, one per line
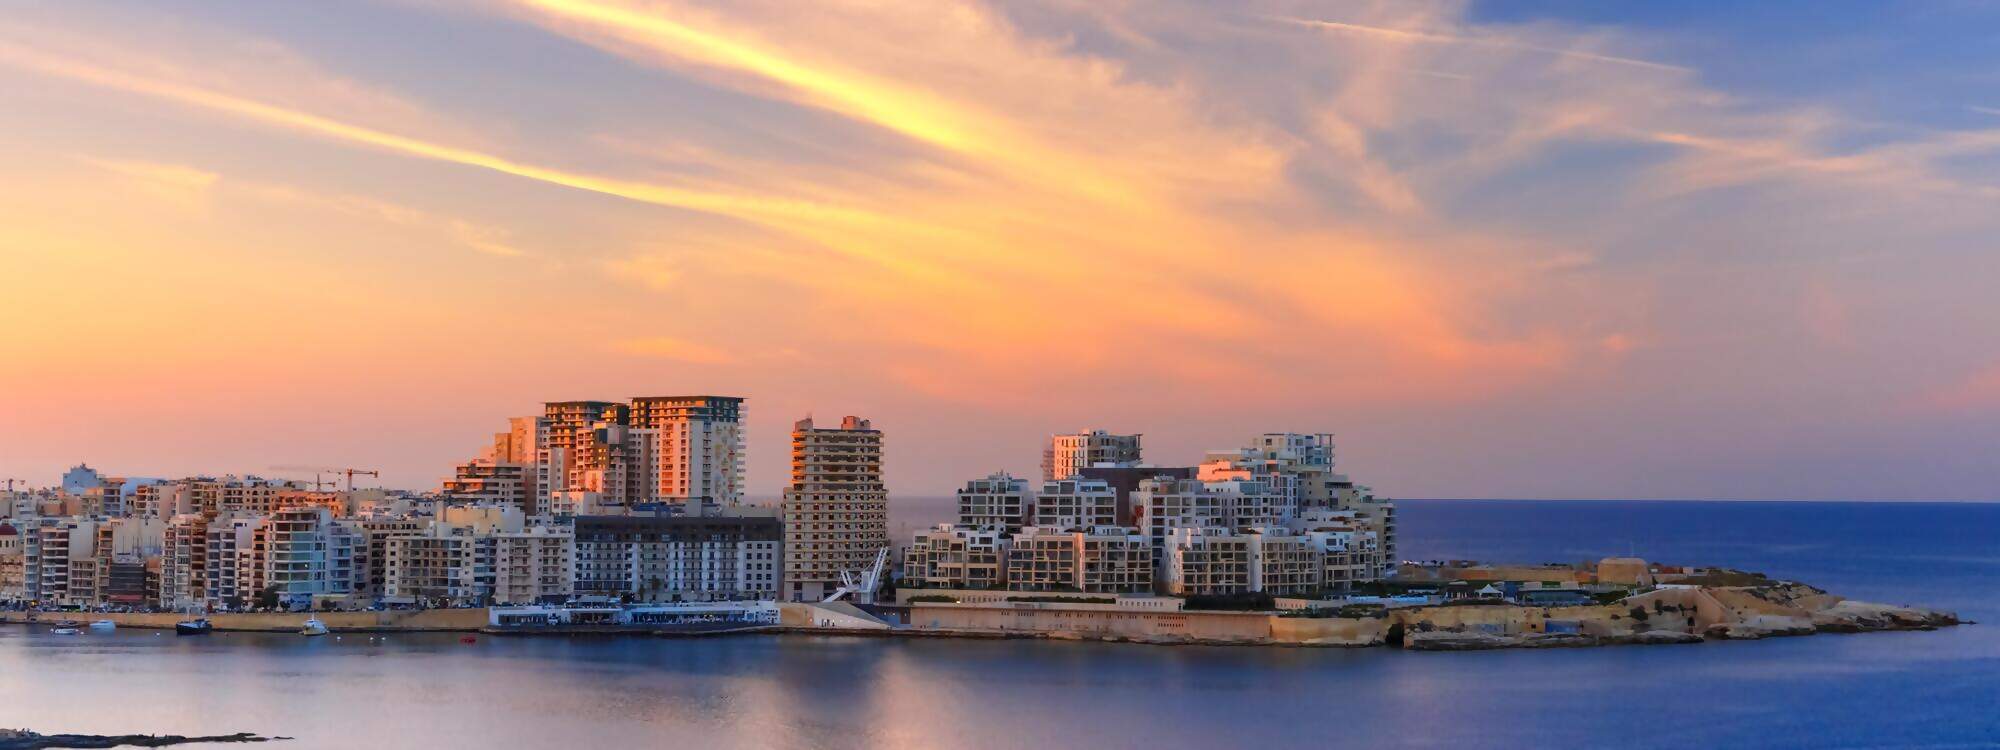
1939 689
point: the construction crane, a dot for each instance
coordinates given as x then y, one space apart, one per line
319 474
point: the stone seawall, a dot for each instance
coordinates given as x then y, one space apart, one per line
1663 616
411 620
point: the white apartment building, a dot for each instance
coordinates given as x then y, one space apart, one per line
1207 561
1102 560
998 501
948 556
304 553
1164 504
1075 504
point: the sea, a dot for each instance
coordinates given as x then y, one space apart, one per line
1879 690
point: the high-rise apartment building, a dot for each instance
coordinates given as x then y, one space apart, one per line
1067 454
572 449
695 447
600 457
836 510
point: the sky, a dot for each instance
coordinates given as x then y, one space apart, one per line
1556 249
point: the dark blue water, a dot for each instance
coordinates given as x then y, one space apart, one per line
1937 689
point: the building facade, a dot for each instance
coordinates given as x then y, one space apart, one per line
836 510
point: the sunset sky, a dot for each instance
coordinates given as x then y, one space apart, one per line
1501 249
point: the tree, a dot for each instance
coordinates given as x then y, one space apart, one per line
267 598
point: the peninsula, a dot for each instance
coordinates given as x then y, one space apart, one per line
629 517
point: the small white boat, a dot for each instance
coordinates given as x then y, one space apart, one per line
103 626
65 631
313 627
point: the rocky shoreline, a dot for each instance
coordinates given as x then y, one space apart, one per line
1694 615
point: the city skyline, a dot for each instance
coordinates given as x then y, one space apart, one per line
1564 250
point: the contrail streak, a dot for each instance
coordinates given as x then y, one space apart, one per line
1435 38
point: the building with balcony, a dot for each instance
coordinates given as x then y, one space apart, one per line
1102 560
836 509
998 501
948 556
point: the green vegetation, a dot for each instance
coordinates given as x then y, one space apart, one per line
1064 599
1252 601
1728 578
1344 612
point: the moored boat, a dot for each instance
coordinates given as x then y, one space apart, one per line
65 631
313 627
197 626
103 626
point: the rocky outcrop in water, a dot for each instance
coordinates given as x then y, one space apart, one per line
1690 614
21 739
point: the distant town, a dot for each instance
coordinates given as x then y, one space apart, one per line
629 516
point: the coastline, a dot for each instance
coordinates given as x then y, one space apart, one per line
1668 616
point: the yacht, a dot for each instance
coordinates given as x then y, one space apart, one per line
197 626
313 627
103 626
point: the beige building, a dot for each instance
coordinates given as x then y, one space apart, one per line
836 511
1103 560
948 556
1066 454
535 565
13 564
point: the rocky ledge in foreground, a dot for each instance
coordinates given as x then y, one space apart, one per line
1687 614
21 739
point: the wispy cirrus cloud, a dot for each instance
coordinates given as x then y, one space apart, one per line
738 206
